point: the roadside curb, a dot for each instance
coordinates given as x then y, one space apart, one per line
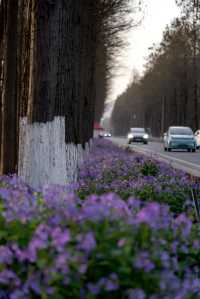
173 162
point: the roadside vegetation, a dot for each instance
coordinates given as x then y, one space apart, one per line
126 229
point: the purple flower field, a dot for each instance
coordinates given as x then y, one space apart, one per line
127 229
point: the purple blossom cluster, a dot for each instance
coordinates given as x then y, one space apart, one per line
102 244
112 169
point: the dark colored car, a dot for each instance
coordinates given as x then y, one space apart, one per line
138 135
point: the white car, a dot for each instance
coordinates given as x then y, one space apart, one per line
179 138
138 135
197 138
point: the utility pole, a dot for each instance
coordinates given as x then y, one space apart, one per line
134 119
162 115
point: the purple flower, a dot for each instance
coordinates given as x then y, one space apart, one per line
17 294
5 255
59 237
143 262
35 286
61 262
150 215
93 288
88 242
136 294
8 276
3 294
164 256
111 285
5 193
184 223
121 242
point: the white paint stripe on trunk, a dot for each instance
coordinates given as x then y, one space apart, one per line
44 157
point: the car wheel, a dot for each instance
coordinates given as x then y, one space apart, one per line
169 149
189 150
194 150
145 142
165 149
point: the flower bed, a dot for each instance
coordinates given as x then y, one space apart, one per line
128 244
111 169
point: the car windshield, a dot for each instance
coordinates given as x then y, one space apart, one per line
137 130
181 131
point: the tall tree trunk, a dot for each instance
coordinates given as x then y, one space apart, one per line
9 94
56 126
195 70
2 53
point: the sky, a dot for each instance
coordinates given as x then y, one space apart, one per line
157 14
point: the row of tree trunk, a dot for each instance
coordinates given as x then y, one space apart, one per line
48 53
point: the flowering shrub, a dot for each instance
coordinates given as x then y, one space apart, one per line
111 169
102 247
55 245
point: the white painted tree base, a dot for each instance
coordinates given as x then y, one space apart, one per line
44 157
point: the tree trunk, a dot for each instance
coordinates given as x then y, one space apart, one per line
56 125
195 70
9 93
2 53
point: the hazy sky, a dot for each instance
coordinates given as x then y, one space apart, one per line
158 13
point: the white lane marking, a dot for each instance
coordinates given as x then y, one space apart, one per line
176 163
153 152
169 157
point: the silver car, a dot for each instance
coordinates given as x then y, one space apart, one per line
138 135
180 138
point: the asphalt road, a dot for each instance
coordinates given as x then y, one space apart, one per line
189 162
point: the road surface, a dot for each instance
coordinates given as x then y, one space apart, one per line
189 162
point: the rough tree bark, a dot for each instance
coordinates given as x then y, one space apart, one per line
50 57
9 92
2 53
60 98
